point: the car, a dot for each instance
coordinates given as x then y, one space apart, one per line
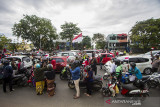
26 60
61 62
148 54
144 64
106 57
68 54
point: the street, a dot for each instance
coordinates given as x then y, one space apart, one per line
26 97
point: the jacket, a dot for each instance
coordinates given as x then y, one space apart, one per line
89 76
7 71
39 74
136 71
75 73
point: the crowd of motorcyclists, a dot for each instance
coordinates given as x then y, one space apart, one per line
44 72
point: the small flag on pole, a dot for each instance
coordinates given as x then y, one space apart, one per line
77 38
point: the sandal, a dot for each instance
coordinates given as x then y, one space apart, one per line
75 97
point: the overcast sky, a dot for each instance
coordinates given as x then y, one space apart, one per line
92 16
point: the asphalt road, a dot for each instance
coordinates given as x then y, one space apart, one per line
26 97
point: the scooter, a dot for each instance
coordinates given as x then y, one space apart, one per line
96 84
137 89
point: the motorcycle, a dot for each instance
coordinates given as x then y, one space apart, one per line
137 89
65 74
154 80
96 84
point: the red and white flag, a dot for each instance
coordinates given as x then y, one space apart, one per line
77 38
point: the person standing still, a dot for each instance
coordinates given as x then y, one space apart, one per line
94 64
7 76
75 71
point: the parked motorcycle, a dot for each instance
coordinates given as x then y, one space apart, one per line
96 84
154 80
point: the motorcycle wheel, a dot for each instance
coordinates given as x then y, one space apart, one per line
97 85
71 85
152 84
68 75
144 96
61 77
25 82
106 92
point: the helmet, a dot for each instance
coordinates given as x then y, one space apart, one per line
75 64
117 62
50 66
5 61
37 66
133 64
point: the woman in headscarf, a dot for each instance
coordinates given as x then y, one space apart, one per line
50 77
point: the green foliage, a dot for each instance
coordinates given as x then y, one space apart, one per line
36 29
146 34
68 30
100 44
98 38
86 42
4 41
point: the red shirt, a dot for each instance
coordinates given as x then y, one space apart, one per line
53 62
19 65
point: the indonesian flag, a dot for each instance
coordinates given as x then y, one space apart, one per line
77 38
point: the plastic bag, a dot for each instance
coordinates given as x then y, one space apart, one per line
132 78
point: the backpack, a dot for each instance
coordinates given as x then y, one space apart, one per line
3 73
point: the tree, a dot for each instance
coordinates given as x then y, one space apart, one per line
68 31
39 31
146 34
86 42
98 38
4 41
100 44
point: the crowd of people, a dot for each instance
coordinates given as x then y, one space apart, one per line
44 73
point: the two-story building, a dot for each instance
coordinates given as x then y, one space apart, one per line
117 41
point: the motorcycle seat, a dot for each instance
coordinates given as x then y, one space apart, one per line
129 87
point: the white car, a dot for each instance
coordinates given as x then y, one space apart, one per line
148 54
26 60
142 63
68 54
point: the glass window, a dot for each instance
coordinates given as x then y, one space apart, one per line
133 60
58 60
65 54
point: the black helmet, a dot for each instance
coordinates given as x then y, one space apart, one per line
5 61
75 64
117 62
50 66
133 64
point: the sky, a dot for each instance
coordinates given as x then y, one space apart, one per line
91 16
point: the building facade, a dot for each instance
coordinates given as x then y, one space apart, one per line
117 41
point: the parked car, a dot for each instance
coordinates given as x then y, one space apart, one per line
142 63
148 54
61 62
26 60
68 54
